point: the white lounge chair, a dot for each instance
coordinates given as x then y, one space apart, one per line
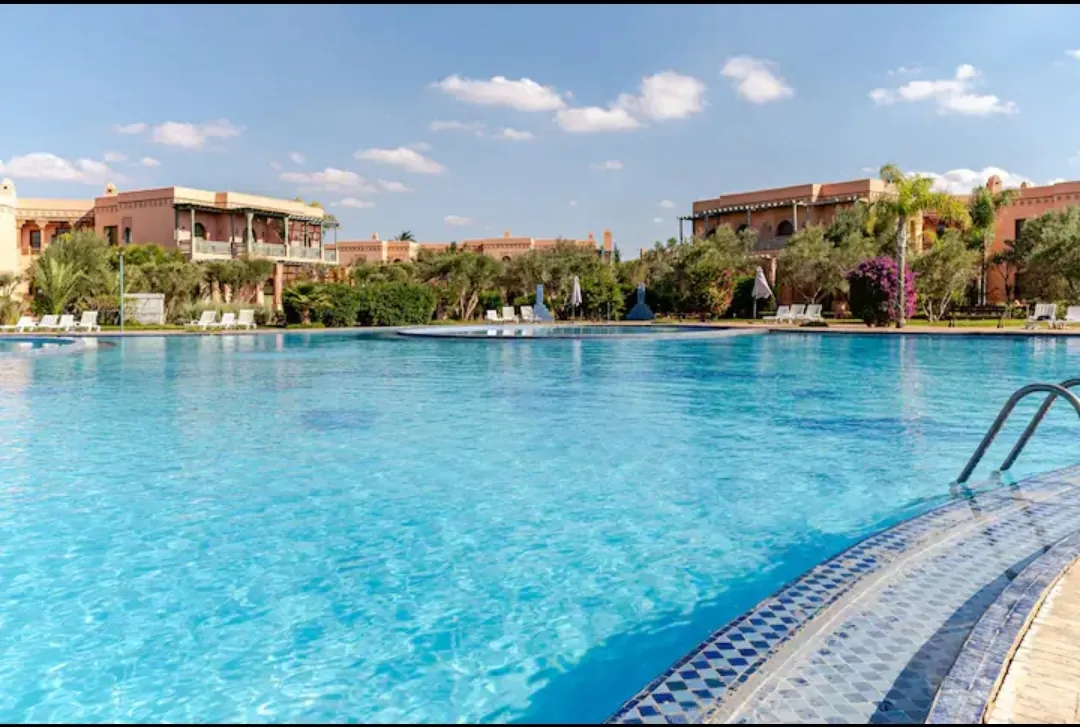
206 320
1072 315
246 319
527 314
67 322
492 316
88 322
508 313
796 313
1044 313
781 314
812 314
228 320
26 323
49 323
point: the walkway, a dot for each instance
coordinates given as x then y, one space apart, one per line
869 636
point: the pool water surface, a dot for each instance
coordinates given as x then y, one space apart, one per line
332 527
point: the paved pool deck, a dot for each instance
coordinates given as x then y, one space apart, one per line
913 624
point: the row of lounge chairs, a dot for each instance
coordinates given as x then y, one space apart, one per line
64 323
508 315
799 313
1047 313
208 320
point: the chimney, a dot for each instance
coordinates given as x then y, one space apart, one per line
507 234
110 190
592 240
607 240
375 236
994 184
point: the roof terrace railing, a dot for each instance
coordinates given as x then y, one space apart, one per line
1054 391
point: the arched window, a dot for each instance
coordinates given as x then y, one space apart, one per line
506 258
200 231
785 228
743 227
127 235
397 260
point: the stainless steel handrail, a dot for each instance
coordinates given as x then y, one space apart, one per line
1035 421
1055 390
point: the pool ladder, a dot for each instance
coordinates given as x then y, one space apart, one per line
1053 391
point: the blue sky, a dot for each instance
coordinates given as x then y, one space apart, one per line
612 110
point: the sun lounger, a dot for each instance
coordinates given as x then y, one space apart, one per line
49 323
67 322
812 314
246 319
492 316
206 320
508 313
228 320
796 313
26 323
1044 313
1072 315
88 322
781 314
527 314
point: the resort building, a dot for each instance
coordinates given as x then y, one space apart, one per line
201 224
502 248
776 214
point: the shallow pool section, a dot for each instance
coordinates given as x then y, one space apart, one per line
504 331
347 526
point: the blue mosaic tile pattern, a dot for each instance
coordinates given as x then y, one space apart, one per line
860 687
968 687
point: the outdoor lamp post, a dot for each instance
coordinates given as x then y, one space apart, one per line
121 291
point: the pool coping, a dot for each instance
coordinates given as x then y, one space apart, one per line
979 670
468 333
763 631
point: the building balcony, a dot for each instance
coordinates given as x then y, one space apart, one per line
210 250
216 250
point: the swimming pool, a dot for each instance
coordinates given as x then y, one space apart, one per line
325 527
38 345
530 331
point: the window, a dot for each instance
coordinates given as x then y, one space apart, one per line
785 228
127 235
506 259
200 231
35 240
1018 228
110 234
743 227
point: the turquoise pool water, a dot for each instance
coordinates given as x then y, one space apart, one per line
377 528
14 345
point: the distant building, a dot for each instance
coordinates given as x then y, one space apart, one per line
203 225
502 248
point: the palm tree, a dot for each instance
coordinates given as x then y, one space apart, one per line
908 199
983 208
56 285
405 236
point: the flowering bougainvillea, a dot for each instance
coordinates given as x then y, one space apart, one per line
873 291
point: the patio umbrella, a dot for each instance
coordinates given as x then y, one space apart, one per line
761 288
575 294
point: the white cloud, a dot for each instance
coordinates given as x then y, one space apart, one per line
612 165
408 159
474 127
115 156
149 162
952 95
194 136
522 95
592 119
355 203
136 128
755 81
276 166
667 204
515 135
962 181
419 146
657 219
573 203
52 168
456 221
296 157
393 186
1073 54
667 95
329 179
902 71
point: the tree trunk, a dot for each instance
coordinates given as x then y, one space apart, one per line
901 263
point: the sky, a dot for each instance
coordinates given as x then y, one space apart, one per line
458 122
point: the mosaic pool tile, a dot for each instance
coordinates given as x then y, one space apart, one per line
883 650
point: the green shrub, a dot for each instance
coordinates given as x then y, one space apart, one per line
340 307
396 304
490 300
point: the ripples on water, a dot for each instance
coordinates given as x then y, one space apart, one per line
328 527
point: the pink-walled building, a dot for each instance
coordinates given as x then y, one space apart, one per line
502 248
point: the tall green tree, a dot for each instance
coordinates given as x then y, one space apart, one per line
943 272
56 285
816 266
405 236
1053 270
983 207
9 307
909 198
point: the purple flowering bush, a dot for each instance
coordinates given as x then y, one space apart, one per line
873 289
